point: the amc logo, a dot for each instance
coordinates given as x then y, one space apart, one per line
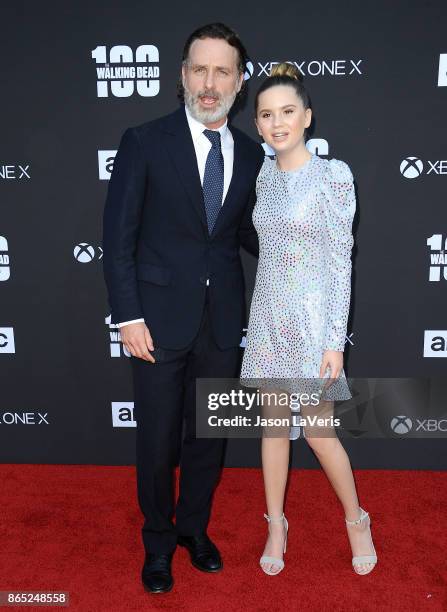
122 414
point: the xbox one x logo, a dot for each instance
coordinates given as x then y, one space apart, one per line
85 253
248 70
401 424
411 167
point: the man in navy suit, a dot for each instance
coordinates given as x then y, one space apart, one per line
178 208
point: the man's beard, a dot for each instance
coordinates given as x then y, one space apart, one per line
212 115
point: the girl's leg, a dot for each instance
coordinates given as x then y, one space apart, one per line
275 465
335 462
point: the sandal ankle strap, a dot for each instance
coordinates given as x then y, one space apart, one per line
363 516
273 519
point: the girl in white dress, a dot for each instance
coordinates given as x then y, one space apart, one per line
297 326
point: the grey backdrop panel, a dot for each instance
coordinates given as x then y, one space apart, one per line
372 72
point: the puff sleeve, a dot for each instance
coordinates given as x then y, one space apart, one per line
338 213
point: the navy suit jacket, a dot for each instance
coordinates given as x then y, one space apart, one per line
157 250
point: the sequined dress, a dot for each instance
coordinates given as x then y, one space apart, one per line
300 303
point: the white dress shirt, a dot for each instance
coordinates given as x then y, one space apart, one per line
202 147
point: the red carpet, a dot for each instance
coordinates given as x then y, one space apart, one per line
77 529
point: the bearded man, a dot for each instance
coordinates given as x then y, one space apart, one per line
178 208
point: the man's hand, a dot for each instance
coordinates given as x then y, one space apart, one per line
137 340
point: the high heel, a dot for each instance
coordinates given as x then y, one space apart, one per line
363 559
275 560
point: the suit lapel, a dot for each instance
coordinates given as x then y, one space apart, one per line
181 149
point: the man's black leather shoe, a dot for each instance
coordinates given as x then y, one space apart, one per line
204 554
156 574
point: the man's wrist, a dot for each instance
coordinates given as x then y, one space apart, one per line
129 322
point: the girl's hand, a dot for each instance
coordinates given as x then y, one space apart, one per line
333 359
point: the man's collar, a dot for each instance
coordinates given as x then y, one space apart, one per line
197 127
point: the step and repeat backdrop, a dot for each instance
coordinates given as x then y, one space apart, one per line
78 74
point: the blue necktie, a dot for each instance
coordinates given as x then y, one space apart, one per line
213 179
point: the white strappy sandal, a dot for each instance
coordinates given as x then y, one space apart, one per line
275 560
363 559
